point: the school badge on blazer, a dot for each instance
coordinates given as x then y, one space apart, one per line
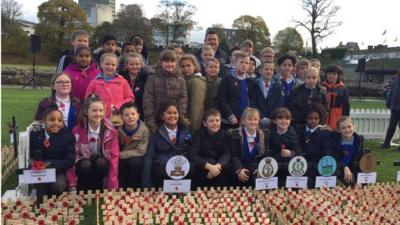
297 166
327 166
267 167
177 167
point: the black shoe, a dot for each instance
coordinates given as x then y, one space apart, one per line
385 145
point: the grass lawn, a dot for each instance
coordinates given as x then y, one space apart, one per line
367 103
23 103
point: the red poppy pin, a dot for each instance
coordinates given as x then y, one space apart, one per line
38 165
127 140
46 143
92 139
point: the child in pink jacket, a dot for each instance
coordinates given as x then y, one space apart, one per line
81 71
97 149
111 87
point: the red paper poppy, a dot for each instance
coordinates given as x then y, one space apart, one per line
92 139
41 222
72 222
38 165
62 106
127 140
42 211
46 143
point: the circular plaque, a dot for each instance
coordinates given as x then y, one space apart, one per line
327 166
297 166
368 163
177 167
267 167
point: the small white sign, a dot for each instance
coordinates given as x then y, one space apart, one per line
177 186
321 181
296 182
266 183
366 178
40 176
398 176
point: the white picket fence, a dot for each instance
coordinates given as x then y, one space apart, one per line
372 123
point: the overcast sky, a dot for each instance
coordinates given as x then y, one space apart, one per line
364 21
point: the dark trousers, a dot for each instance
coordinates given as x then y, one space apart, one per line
91 173
129 172
394 121
252 177
223 179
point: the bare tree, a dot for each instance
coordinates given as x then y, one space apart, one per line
10 11
320 21
175 20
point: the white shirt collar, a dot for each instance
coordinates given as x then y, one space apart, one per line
312 130
65 101
97 131
250 135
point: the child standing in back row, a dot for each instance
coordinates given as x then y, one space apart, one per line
111 87
81 71
337 95
234 92
165 85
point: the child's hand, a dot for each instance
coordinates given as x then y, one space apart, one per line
243 175
234 121
285 153
348 176
213 170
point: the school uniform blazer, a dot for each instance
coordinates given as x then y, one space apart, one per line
336 139
229 96
161 149
317 147
109 148
136 145
274 99
81 78
299 98
60 153
206 146
115 92
50 100
236 144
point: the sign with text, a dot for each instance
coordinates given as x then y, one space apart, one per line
366 178
177 186
321 181
266 183
296 182
39 176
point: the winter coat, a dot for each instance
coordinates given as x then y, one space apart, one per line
161 149
81 78
393 100
206 146
113 93
161 87
136 145
196 91
287 140
65 60
266 105
60 153
72 114
337 97
301 97
237 151
211 100
109 150
137 87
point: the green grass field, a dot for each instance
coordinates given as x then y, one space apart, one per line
23 103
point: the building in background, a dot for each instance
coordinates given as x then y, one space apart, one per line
100 14
86 5
27 26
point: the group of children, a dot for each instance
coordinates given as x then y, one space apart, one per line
114 122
